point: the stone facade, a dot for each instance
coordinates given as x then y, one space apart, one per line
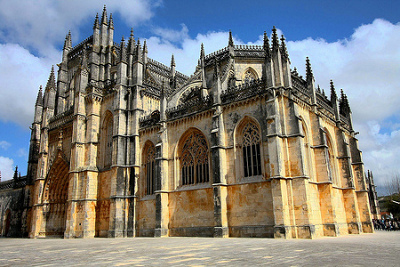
15 209
125 146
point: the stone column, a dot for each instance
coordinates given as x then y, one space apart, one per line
218 164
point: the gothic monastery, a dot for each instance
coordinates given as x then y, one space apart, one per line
124 146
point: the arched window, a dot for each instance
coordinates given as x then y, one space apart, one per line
251 151
194 159
149 164
107 140
249 76
331 161
307 150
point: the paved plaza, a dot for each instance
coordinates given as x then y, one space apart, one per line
379 249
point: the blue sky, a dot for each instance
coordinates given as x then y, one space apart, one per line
355 43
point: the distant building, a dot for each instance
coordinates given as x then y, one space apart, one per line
125 146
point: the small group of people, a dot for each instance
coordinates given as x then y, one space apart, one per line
386 224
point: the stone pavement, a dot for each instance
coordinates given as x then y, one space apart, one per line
379 249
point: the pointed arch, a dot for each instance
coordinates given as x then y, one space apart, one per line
7 222
106 141
149 166
55 196
193 154
331 158
307 151
248 147
249 75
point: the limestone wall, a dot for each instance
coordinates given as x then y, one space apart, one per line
191 212
250 210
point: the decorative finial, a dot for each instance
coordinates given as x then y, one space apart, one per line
16 172
173 61
145 51
333 91
104 16
283 47
230 39
123 49
275 41
96 22
266 45
39 99
111 22
202 54
51 82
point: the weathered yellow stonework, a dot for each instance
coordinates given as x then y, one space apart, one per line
124 146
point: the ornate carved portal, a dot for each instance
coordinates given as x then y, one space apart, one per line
194 159
55 197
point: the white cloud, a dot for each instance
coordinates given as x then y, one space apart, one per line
4 145
22 152
366 66
170 35
41 24
6 168
21 73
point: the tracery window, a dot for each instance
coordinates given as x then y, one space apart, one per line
249 76
251 150
331 162
105 155
149 168
194 159
307 149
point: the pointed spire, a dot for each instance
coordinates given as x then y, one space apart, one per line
230 43
123 49
309 72
111 22
333 92
138 51
96 22
51 83
266 45
341 95
131 43
202 54
16 172
68 41
39 98
104 16
145 51
275 41
202 62
283 47
347 105
173 61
